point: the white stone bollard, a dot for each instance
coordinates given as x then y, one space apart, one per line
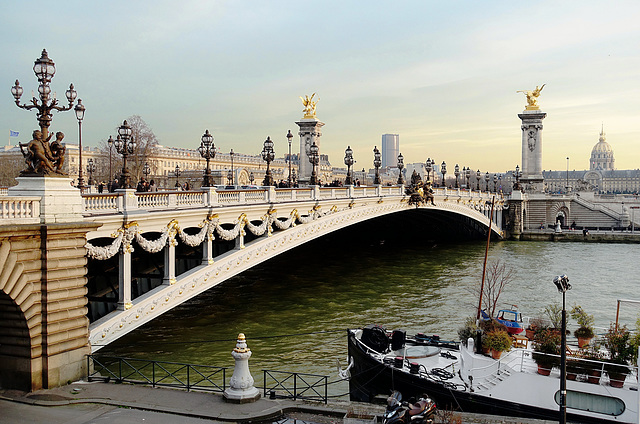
241 388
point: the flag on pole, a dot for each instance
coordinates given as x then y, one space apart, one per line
13 133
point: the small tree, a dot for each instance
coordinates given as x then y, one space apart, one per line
498 278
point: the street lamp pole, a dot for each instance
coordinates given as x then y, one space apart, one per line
146 170
456 172
562 283
110 143
377 161
208 151
486 181
348 160
314 158
289 138
443 169
177 174
567 187
427 167
478 179
467 173
400 166
233 179
91 168
495 183
125 145
268 155
79 109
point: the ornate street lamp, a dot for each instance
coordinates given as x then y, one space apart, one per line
146 170
517 174
45 69
314 158
443 169
456 172
79 109
562 283
428 167
268 155
177 174
348 160
467 173
110 143
208 151
478 179
495 183
486 181
293 177
251 177
289 138
377 161
125 145
91 168
400 166
232 175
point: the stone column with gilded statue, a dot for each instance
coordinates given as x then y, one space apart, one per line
310 132
532 179
241 389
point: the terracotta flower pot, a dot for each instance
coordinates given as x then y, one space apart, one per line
496 354
571 375
530 333
593 376
543 370
583 341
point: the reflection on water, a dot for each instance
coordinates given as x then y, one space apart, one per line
312 294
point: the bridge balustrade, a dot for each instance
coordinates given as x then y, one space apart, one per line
20 209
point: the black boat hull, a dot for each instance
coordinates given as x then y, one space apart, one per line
370 378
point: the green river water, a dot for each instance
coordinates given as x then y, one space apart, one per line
294 309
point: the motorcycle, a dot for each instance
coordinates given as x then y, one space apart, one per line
401 412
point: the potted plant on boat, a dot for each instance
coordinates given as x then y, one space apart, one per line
546 347
616 340
574 368
584 333
497 341
490 326
470 330
535 325
554 313
594 362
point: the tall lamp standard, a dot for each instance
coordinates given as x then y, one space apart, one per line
567 187
289 138
268 155
443 169
456 172
478 179
348 160
45 69
146 170
562 283
400 166
486 181
91 168
233 180
110 143
428 167
79 110
467 174
125 145
208 151
314 158
251 177
495 183
377 161
177 174
516 186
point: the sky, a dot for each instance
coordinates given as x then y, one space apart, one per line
444 75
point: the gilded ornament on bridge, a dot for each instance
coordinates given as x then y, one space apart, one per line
532 97
309 106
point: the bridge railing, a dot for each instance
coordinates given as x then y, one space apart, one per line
295 385
19 208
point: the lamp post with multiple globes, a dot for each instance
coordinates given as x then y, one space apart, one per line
443 170
467 174
456 172
377 161
314 159
400 166
125 145
268 155
208 151
348 160
289 138
91 168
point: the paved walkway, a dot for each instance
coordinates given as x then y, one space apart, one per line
96 402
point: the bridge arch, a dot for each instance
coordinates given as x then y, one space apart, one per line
321 219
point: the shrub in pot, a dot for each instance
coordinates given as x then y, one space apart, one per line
594 363
584 333
468 331
618 343
498 341
545 344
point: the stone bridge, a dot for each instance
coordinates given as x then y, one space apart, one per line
137 255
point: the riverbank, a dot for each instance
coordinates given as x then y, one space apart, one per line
594 236
110 399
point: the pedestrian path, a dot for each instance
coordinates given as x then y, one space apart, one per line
208 406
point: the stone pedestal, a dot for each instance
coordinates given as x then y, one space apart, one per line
61 202
309 133
241 389
532 179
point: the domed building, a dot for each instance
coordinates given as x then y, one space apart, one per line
602 155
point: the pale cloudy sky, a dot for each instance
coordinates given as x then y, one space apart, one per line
442 74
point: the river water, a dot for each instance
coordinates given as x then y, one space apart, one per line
295 308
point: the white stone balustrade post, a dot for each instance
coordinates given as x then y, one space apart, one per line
350 191
241 389
315 192
170 259
378 190
124 270
210 196
173 200
242 198
271 194
129 200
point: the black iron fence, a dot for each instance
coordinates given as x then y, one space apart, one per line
276 384
295 385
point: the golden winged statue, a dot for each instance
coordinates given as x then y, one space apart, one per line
309 106
532 97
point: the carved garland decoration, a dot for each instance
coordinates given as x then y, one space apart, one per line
129 232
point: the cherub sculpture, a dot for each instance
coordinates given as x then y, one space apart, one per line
41 157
